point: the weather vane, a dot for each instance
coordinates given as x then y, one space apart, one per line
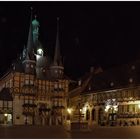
57 18
31 8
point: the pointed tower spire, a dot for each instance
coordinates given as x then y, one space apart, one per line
57 55
29 61
30 44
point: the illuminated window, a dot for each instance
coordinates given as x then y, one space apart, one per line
26 101
26 81
55 85
31 82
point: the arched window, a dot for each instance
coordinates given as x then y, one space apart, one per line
87 115
93 114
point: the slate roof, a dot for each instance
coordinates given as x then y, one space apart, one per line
123 76
118 77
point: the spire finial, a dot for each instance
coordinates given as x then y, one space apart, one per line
57 55
35 16
31 8
30 39
57 18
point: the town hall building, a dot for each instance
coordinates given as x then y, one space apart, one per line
34 91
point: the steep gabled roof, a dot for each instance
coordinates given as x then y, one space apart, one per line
6 95
30 44
118 77
57 55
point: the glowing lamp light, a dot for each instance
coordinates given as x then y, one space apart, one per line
139 106
115 108
107 107
84 109
40 51
5 114
69 110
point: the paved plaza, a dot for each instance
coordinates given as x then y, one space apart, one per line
58 132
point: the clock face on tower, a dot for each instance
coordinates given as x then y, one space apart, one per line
40 52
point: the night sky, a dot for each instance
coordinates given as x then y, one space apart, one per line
103 34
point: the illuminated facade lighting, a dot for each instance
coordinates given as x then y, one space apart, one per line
40 52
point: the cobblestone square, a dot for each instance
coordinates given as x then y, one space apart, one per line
58 132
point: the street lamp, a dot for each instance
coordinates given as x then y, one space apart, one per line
40 52
139 106
69 110
5 114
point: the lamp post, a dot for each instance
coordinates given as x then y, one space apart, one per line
79 110
69 110
139 109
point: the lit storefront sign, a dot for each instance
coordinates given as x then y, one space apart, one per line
111 104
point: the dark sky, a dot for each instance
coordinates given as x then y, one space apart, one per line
91 33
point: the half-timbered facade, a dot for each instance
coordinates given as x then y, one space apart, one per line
110 97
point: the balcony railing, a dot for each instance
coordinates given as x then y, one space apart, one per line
29 105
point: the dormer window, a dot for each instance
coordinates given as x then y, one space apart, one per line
111 84
133 67
89 88
27 65
130 80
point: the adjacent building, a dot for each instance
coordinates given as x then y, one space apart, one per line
107 98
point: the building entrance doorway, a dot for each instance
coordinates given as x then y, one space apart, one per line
5 118
112 117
